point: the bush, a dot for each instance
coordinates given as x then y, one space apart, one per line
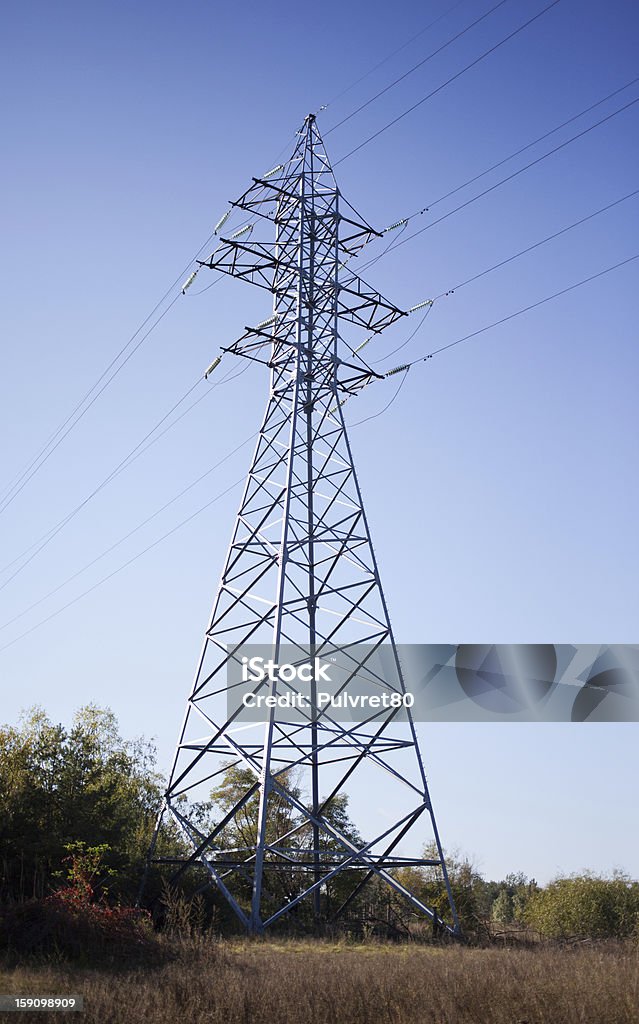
586 906
72 924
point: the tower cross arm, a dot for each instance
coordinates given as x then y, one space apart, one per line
255 262
355 234
360 304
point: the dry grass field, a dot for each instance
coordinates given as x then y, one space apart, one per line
306 982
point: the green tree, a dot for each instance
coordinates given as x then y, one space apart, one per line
241 831
509 898
286 826
82 785
586 906
502 909
427 883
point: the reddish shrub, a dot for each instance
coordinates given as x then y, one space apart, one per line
73 923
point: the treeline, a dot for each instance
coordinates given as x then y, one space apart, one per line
87 789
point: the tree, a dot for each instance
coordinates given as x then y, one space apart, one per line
427 883
285 826
502 909
241 831
85 784
586 906
509 898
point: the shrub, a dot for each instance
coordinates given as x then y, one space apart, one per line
71 923
586 906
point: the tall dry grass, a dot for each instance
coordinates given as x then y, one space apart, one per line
308 982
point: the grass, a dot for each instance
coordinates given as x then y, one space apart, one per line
292 982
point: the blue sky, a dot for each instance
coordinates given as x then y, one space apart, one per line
501 487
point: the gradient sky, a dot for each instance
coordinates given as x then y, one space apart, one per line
501 487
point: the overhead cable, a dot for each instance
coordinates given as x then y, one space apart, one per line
448 81
415 67
122 540
147 441
402 241
526 309
393 53
403 369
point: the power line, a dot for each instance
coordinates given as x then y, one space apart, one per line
120 568
381 412
49 447
410 337
403 369
526 309
505 262
393 53
39 464
530 248
542 241
522 149
403 222
467 337
46 538
415 67
453 78
125 463
62 431
132 455
510 177
126 537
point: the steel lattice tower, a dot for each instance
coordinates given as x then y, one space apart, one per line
300 570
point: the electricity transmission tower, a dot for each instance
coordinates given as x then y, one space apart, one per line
300 570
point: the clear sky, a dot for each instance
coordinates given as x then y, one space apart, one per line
501 487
